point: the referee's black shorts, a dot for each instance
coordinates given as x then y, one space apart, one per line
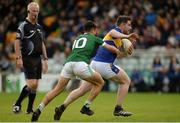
32 67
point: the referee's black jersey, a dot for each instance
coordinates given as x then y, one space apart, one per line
31 37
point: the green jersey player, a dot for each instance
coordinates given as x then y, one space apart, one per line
77 65
84 48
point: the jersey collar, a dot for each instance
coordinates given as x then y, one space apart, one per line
30 22
118 29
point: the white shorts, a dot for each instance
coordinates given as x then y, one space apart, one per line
106 70
79 69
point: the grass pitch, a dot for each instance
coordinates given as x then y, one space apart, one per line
145 106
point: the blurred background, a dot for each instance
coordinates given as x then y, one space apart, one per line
153 67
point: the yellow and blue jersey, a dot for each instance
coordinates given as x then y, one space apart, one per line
103 54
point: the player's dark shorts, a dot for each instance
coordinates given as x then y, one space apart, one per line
32 67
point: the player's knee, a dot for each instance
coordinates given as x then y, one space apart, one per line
33 85
97 79
101 83
129 81
126 81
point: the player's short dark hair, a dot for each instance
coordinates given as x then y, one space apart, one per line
89 25
122 19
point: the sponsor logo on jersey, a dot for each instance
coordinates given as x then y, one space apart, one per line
31 31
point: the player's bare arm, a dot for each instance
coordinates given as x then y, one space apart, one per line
110 48
117 34
113 49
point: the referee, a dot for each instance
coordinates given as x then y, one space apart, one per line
29 50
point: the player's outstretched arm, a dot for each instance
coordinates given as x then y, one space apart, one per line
117 34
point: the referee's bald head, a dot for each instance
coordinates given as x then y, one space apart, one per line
33 10
33 5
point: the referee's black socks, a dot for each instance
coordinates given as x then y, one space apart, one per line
24 93
32 96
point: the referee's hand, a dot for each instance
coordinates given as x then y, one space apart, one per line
19 63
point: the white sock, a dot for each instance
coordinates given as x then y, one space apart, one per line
41 106
87 103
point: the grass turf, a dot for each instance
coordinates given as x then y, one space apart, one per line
145 106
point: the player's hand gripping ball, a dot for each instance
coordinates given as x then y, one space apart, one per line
127 47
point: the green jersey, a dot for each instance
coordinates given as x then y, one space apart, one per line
84 48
